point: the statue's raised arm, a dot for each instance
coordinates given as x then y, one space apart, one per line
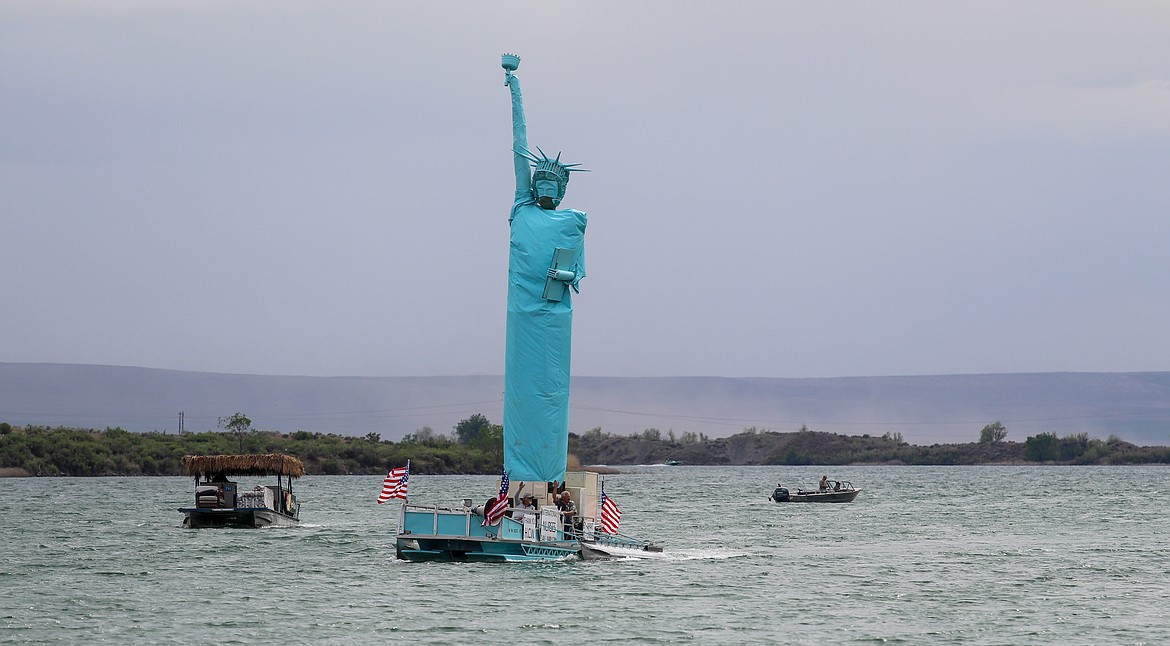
545 180
519 129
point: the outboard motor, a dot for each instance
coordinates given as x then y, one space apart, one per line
780 494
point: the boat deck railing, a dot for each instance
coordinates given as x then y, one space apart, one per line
455 521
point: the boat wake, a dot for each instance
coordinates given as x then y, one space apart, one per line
702 554
672 555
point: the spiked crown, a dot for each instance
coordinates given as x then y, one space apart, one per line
551 169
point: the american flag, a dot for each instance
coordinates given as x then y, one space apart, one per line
394 486
495 510
610 514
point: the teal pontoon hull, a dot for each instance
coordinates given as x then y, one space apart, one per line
484 550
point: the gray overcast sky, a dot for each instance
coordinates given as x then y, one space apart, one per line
779 189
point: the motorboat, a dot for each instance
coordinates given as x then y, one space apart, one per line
837 491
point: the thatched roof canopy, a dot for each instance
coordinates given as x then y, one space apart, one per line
209 466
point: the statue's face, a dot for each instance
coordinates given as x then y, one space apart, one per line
546 191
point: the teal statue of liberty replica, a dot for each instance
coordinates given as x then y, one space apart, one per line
545 264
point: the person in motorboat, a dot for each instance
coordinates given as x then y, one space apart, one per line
825 486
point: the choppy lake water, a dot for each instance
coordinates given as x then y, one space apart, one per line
925 555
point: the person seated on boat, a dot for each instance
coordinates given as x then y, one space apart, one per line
527 505
824 484
568 511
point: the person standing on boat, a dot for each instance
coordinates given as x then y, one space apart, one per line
546 262
824 483
568 511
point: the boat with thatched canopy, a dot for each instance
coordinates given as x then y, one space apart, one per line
220 503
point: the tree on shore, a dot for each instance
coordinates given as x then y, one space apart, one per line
994 432
468 430
238 425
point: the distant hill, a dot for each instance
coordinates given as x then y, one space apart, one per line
924 409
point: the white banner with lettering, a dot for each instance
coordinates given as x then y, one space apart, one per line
550 522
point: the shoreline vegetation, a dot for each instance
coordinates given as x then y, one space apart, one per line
476 447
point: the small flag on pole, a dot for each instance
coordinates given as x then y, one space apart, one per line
394 486
495 510
611 516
